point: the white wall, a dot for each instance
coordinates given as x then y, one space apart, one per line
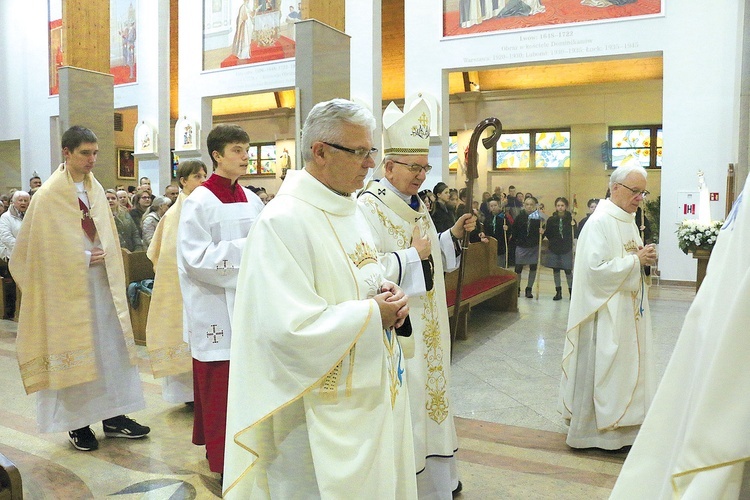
701 49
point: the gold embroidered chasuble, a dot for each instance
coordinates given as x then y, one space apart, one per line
55 340
693 443
316 400
169 353
392 222
609 315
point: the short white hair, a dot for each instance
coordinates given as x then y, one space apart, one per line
324 123
621 173
17 195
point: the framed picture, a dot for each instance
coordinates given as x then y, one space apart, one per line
126 164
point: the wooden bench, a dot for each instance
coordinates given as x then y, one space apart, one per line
10 480
137 268
484 283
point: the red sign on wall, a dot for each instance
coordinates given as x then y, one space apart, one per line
714 196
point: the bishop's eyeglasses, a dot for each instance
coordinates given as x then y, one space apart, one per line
361 153
635 192
415 168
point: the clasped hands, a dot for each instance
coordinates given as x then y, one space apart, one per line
393 305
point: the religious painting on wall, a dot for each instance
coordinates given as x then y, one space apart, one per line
126 166
122 41
238 32
470 17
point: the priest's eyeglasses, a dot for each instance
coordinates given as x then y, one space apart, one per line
635 192
362 153
415 168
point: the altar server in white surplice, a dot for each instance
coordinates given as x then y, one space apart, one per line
694 443
211 236
416 257
317 403
609 378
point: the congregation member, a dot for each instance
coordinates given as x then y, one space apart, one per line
130 237
124 199
76 350
318 407
609 373
591 206
35 182
10 226
211 236
171 361
415 257
526 228
513 204
172 192
560 230
151 218
692 443
442 215
498 226
141 202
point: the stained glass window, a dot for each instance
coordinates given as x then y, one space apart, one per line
453 151
642 143
533 149
552 149
262 159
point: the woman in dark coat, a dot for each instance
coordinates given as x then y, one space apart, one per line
442 215
560 231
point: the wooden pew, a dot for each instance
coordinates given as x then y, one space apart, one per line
11 487
484 283
138 267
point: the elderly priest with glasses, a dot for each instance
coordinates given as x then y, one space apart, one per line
609 376
416 257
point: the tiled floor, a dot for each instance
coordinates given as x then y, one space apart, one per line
505 385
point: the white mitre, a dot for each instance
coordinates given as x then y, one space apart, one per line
406 133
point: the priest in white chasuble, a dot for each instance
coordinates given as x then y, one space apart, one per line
415 257
171 360
318 407
609 376
211 236
694 443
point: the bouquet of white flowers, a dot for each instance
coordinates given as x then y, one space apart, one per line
692 235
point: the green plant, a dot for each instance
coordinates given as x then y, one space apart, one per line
653 209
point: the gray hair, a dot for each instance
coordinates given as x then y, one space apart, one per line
157 203
623 171
18 194
324 123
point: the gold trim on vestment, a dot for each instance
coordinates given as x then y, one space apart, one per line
436 402
57 362
402 239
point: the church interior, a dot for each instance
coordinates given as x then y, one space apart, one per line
590 74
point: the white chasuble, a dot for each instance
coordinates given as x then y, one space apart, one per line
608 378
694 443
317 407
392 222
210 239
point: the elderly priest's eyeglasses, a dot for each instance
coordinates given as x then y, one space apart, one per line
415 168
362 154
635 192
